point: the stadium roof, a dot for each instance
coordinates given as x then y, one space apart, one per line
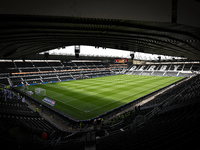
23 35
158 27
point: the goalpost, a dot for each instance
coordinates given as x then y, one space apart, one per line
40 91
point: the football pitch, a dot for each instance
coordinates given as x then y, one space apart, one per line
87 98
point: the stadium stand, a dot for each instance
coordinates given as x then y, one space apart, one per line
167 121
145 99
44 71
174 126
16 116
169 69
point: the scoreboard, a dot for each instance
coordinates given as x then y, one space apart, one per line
121 61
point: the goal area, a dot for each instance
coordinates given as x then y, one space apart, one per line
40 91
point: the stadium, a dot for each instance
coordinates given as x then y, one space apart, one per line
145 99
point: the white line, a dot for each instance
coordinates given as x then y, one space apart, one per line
74 99
57 95
68 104
82 89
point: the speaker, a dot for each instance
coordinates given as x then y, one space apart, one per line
159 58
132 56
46 55
77 55
77 51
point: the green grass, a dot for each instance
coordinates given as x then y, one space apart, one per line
88 98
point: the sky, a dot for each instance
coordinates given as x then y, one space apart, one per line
92 51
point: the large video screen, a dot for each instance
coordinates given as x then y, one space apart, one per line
121 61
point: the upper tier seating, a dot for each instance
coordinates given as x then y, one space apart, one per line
184 70
29 72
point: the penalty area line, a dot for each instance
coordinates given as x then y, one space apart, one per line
68 104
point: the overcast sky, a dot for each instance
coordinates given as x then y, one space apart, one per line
92 51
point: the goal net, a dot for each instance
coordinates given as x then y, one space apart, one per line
40 91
